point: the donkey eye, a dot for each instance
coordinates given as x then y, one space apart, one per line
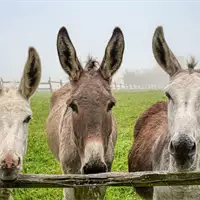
27 119
110 106
168 96
74 107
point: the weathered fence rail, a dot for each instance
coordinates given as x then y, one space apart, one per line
141 179
51 85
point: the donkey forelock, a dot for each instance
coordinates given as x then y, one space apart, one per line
191 64
91 64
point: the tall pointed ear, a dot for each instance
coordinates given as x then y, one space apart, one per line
67 55
113 54
31 75
162 53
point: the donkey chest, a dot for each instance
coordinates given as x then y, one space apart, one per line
177 193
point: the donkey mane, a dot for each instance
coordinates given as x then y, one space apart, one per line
191 64
91 64
143 119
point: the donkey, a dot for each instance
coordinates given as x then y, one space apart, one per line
167 135
81 129
15 114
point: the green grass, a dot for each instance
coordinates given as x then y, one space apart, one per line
39 159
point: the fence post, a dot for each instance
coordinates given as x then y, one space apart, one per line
61 83
115 85
1 82
131 86
120 86
50 85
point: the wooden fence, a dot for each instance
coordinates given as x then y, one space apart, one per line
44 86
51 85
139 179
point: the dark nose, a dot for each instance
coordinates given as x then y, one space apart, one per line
94 167
182 146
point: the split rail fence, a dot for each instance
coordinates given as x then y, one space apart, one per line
139 179
52 85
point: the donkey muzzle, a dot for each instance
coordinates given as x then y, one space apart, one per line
183 149
93 160
94 167
10 165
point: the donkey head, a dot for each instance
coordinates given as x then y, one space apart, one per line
183 93
91 99
15 114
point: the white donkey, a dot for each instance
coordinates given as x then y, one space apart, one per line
15 114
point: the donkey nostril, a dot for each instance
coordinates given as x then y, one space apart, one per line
13 165
4 166
19 162
193 149
172 148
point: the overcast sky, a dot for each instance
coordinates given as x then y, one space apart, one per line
90 25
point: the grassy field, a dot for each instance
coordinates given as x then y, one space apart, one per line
39 159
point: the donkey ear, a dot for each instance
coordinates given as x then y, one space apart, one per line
67 55
31 75
162 53
113 54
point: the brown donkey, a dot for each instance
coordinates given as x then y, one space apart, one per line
81 129
167 135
